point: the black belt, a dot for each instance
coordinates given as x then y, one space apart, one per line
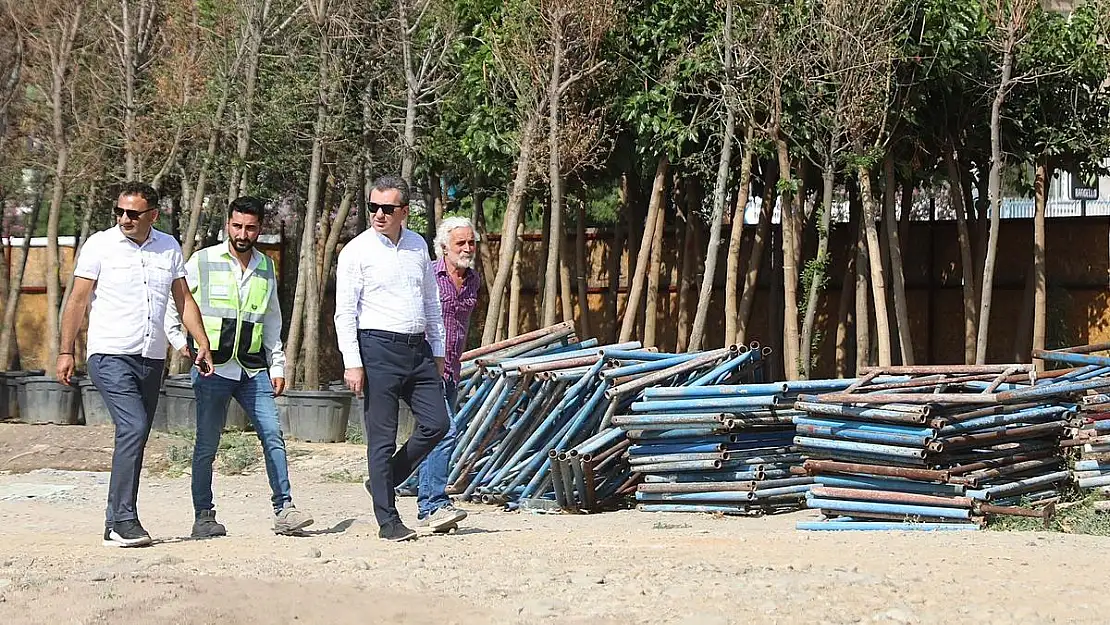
411 340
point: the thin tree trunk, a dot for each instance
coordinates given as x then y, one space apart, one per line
350 187
901 306
789 268
306 274
8 341
1040 277
967 267
614 261
201 187
819 274
565 299
736 238
686 281
485 256
654 214
514 290
878 282
844 316
83 235
755 259
513 211
433 209
555 178
994 192
1023 326
653 278
720 196
863 309
60 67
240 174
581 270
408 137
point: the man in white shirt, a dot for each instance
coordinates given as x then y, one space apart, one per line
235 287
389 326
125 277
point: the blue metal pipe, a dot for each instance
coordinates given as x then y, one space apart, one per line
866 436
845 505
600 440
884 526
704 404
691 508
1032 415
1028 484
647 367
851 446
648 435
764 493
1092 465
728 365
904 430
636 420
627 354
585 348
676 477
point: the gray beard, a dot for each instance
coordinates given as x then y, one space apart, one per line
462 263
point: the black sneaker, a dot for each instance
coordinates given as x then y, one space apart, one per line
396 532
127 534
206 525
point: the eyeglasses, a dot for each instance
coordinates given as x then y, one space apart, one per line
373 207
131 214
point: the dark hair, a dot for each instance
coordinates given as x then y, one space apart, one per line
142 190
390 183
247 205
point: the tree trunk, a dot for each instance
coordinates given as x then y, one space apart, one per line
408 136
614 261
901 307
433 210
818 274
654 214
350 187
485 256
652 300
688 251
240 174
844 316
967 266
513 211
878 282
863 310
555 178
8 341
1040 277
789 268
83 235
736 238
755 259
565 299
720 196
201 188
994 192
514 290
581 270
306 274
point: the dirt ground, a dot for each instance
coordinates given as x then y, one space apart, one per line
621 567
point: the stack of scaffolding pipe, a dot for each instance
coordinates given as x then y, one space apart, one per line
1091 438
950 445
533 415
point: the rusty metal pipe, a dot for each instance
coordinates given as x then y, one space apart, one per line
655 377
832 466
565 328
859 494
944 369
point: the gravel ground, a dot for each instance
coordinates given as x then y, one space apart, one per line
620 567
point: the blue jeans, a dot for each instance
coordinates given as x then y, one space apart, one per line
129 386
256 396
432 492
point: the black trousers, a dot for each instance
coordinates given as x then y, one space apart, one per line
398 366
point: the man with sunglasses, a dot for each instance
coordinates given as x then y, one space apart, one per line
389 326
235 286
126 277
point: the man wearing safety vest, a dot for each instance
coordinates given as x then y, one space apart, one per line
236 289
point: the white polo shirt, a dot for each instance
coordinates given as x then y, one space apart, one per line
128 307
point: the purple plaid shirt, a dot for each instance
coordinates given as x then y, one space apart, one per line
457 305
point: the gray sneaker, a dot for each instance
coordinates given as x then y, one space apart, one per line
291 520
444 519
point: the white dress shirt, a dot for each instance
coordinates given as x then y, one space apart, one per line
382 286
132 291
271 321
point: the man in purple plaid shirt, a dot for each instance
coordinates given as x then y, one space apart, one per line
458 283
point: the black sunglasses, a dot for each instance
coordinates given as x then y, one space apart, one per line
374 207
131 214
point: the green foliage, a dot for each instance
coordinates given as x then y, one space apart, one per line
1079 517
346 476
